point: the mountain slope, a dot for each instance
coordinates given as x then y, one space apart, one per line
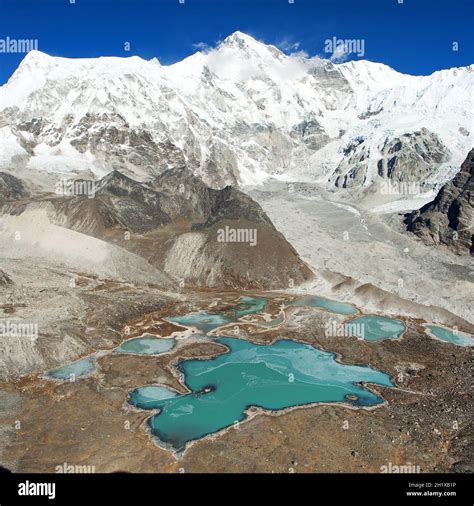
449 219
193 234
11 188
238 114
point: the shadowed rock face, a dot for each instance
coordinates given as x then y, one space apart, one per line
449 218
196 235
117 204
5 279
188 196
11 188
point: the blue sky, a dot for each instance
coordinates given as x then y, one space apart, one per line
413 37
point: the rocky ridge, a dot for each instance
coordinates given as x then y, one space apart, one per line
449 218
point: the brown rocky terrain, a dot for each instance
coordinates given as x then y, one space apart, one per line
424 422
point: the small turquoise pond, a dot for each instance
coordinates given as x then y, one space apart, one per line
203 321
450 336
375 328
147 345
207 321
330 305
274 377
249 305
73 370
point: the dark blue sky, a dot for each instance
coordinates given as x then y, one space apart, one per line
414 37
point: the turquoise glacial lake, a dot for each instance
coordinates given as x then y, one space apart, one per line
376 328
74 369
329 305
147 345
450 336
206 321
273 377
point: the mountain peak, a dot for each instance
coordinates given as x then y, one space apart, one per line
115 179
35 60
36 56
242 44
240 40
116 175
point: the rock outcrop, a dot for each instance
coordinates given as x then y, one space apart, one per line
449 218
5 279
412 157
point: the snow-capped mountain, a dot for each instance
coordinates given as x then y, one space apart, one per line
240 113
